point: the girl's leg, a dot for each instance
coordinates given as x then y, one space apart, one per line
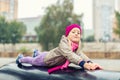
35 53
18 58
26 60
37 61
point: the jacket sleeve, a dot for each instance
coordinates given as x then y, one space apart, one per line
67 52
83 56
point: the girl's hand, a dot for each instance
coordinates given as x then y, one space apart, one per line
97 66
87 66
92 66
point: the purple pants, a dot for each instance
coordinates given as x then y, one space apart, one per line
37 61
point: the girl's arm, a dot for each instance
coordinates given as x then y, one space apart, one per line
66 51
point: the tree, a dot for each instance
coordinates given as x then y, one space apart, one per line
117 29
16 32
11 31
3 30
53 23
90 38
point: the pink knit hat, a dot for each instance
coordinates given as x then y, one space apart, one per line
70 27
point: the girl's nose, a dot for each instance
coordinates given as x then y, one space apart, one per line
76 33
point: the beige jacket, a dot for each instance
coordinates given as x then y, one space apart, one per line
59 54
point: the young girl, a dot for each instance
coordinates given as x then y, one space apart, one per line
68 51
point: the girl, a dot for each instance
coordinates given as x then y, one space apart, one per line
67 52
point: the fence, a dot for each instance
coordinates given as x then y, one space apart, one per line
93 50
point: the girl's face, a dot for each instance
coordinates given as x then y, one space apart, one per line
74 35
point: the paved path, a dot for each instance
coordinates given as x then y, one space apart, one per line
6 60
108 64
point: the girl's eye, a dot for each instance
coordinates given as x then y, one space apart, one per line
76 32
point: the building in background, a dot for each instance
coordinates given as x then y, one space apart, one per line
118 5
30 23
103 12
103 21
8 8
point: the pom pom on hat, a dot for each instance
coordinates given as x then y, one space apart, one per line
70 27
